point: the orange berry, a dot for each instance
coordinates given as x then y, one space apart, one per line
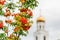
23 1
7 13
15 15
16 29
8 21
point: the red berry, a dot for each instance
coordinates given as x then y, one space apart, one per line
29 12
26 27
23 20
23 10
1 25
2 2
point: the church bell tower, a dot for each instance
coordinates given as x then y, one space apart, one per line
40 33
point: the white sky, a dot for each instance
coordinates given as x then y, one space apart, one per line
50 9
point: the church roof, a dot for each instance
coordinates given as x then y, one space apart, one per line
41 19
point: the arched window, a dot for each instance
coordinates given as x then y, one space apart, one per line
36 38
44 37
40 26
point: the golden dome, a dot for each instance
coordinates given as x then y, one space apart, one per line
40 19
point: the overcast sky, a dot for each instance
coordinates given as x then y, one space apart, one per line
50 9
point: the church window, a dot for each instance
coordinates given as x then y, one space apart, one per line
36 38
44 38
40 26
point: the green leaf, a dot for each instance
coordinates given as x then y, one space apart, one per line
3 36
22 33
30 3
11 6
1 12
5 28
13 23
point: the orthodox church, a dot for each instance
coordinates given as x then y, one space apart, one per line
41 33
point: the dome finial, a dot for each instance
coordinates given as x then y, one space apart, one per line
40 18
40 12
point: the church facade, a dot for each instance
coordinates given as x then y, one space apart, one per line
41 33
